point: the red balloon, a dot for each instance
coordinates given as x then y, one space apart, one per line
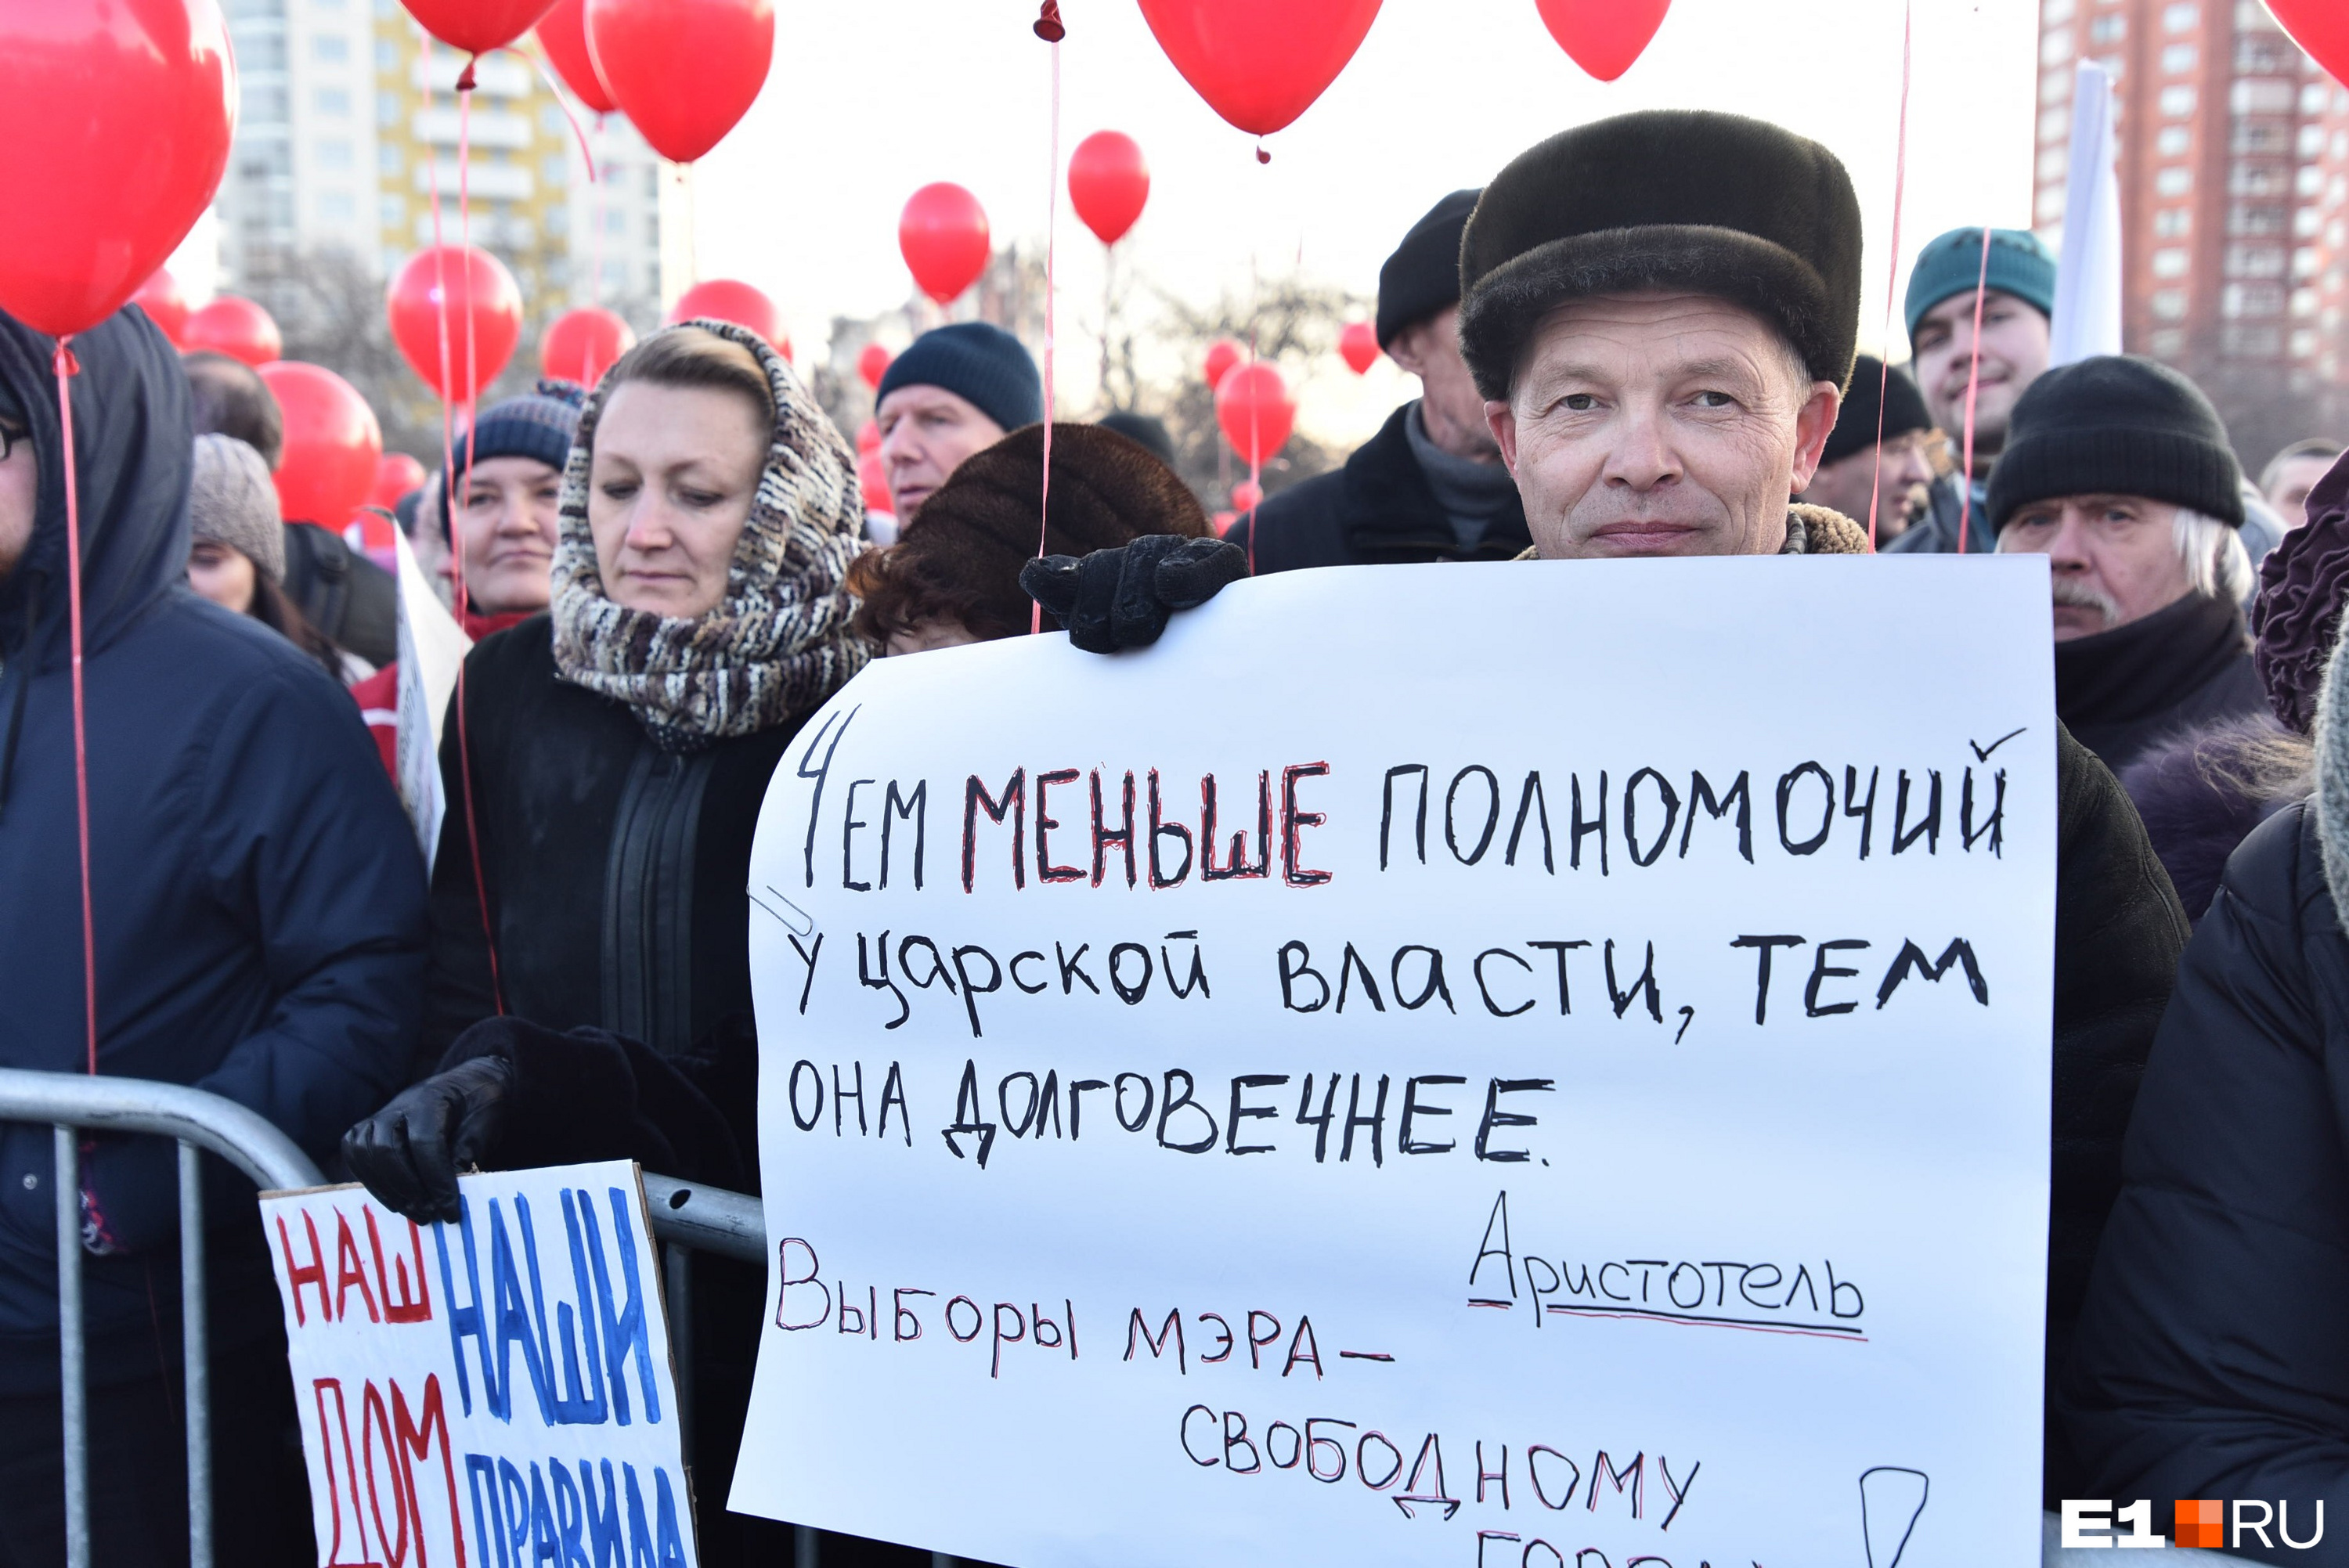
563 33
165 299
1252 405
1222 355
581 345
1359 345
2321 27
1108 184
1603 35
944 237
868 438
873 364
723 299
395 474
332 443
476 27
116 117
484 317
1246 496
1260 63
683 70
234 326
873 479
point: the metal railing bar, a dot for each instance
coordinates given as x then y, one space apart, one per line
73 1386
677 1265
244 1137
710 1219
196 1348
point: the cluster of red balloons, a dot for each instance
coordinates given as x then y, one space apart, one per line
683 71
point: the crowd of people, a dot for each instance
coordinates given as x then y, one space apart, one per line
1637 340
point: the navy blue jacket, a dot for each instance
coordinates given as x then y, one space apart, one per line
258 896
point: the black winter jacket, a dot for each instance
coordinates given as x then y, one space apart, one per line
258 900
2185 666
2211 1360
1378 508
616 882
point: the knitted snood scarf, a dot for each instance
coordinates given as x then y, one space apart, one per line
778 642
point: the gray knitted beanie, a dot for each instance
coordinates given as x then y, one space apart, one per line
232 501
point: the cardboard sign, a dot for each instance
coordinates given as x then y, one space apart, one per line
1528 1064
495 1393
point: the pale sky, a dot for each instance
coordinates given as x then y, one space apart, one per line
869 101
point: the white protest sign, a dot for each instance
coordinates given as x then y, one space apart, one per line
1519 1065
497 1392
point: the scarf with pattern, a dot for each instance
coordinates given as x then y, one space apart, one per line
778 644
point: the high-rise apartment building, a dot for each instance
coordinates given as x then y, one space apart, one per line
346 125
2234 182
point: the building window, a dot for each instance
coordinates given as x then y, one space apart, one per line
2050 205
2055 124
2178 59
2055 88
337 207
2109 29
330 48
2313 97
2262 221
2173 140
2056 48
2304 344
392 211
2256 136
2054 163
2182 17
2166 343
2170 263
333 152
2306 263
262 105
333 102
2262 97
388 159
2304 302
2252 342
2176 102
2169 304
2255 261
2055 13
2173 222
261 52
2174 182
2253 300
2258 179
387 55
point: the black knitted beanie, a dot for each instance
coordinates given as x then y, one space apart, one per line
2118 425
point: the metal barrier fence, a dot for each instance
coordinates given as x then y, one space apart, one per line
686 1218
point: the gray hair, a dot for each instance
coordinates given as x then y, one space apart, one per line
2217 564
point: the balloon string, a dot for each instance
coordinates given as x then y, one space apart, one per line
596 241
67 368
473 420
1256 442
1974 384
1899 191
1051 257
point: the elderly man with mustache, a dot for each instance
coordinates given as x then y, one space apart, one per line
2119 470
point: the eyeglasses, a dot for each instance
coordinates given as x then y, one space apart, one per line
11 438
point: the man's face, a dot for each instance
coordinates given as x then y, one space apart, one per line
20 489
1660 425
1449 402
927 432
1898 485
2113 559
507 513
2014 354
2295 480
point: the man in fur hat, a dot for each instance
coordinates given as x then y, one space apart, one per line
1660 310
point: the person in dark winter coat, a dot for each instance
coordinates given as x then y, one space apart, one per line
1430 486
258 905
2119 470
1626 260
589 996
2209 1361
953 576
2203 792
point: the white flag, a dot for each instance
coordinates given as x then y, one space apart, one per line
431 647
2088 278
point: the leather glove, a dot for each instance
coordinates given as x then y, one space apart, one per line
1119 598
409 1153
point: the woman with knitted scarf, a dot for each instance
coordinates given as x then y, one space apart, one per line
589 993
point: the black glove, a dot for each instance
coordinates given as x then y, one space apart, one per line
409 1153
1119 598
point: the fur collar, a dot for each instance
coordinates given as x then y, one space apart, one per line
2331 801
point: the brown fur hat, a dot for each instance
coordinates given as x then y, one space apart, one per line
1665 198
959 558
